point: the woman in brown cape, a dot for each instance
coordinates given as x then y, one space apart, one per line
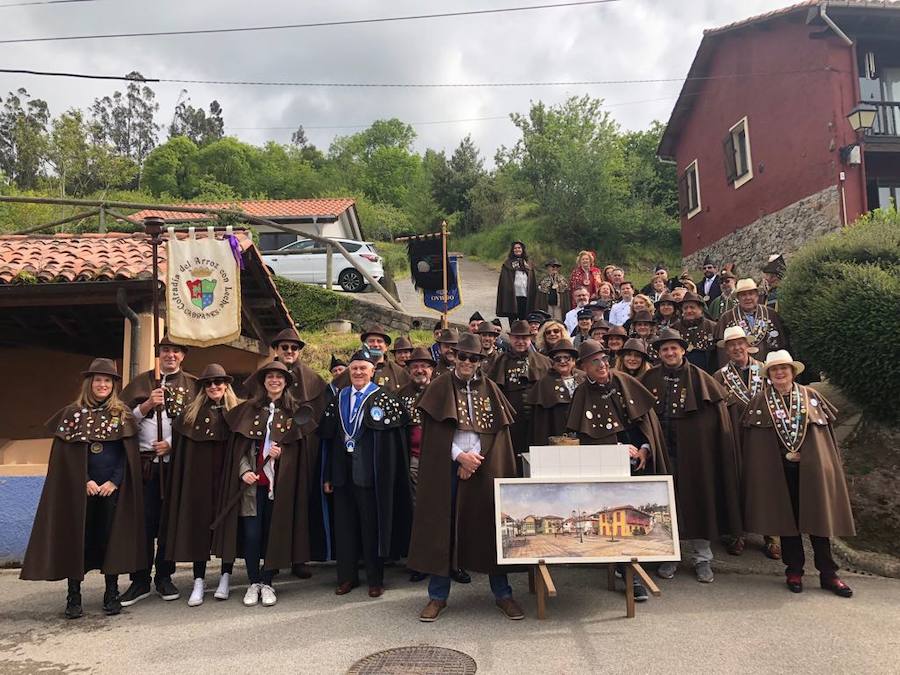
95 524
793 475
517 288
551 396
199 445
264 467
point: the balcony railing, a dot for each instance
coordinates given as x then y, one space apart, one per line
887 120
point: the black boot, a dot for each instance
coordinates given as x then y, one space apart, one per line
73 600
111 604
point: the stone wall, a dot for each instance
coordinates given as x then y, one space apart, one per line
369 314
784 232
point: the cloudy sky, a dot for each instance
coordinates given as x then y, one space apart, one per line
626 39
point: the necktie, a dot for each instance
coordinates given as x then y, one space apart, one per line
357 399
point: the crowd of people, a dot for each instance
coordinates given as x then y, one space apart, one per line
395 457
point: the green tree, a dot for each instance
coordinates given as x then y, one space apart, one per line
651 181
23 138
454 179
171 168
196 124
228 161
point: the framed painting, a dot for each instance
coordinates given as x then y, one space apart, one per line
585 520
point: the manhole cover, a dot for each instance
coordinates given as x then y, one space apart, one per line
421 660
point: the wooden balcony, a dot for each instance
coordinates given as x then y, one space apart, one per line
885 133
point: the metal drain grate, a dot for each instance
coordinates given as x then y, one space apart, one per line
421 660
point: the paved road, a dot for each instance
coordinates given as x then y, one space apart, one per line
479 294
745 623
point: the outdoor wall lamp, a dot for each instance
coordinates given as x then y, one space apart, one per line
861 119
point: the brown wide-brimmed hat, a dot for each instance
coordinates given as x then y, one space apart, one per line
600 324
642 316
563 346
693 297
402 343
589 348
274 367
635 345
520 328
167 342
375 330
469 343
615 331
103 367
215 372
669 335
421 354
448 336
287 335
667 297
488 328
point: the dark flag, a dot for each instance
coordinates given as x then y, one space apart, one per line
426 264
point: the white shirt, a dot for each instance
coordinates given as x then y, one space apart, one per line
465 441
571 319
707 283
520 284
620 312
147 431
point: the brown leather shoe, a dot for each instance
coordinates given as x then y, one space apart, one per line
736 546
511 609
345 588
376 591
773 550
432 610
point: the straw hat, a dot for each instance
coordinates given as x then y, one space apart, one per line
745 285
103 367
736 333
781 357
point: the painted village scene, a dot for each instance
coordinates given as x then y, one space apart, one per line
579 521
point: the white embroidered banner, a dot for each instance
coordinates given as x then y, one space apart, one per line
203 291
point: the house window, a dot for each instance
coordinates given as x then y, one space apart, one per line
689 190
738 161
272 241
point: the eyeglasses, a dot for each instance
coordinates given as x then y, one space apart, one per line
552 331
218 382
562 359
600 360
462 356
289 348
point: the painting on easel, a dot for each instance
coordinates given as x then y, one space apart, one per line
586 520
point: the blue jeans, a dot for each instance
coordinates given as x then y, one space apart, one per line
439 587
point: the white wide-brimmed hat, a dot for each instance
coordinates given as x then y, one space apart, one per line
782 357
745 285
736 333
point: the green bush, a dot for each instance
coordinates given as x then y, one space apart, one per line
310 306
841 300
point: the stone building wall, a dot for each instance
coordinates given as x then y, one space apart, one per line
784 232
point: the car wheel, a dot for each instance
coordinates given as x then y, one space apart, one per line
351 281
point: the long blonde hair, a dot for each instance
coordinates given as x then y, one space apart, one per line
542 340
229 401
113 403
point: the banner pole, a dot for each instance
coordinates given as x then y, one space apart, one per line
444 264
154 227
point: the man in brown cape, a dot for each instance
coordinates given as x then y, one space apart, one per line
388 374
698 332
465 445
762 324
170 399
697 432
446 343
516 372
488 333
551 397
742 379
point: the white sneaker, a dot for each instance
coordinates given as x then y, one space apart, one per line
251 597
224 589
268 595
197 594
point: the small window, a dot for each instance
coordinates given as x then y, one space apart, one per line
689 190
272 241
738 160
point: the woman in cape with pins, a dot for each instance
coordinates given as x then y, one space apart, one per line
264 515
97 523
199 445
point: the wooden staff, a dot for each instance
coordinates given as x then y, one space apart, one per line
153 227
445 263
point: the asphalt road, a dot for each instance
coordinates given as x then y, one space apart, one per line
745 623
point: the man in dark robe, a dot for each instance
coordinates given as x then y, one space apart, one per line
516 372
763 325
466 444
698 332
700 443
169 400
367 469
388 374
550 398
710 285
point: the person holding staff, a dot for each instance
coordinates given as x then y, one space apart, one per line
96 523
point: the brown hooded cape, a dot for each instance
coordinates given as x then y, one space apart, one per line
735 394
506 290
705 461
289 533
767 339
471 527
56 547
824 502
180 389
515 389
549 401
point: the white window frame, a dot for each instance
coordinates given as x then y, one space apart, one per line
695 165
748 176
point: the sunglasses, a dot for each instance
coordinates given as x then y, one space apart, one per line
462 356
552 331
561 359
600 360
218 382
290 348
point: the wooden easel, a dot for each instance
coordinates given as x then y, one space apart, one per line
541 584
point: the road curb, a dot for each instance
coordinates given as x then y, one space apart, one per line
882 564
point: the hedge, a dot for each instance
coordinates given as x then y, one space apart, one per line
841 299
310 306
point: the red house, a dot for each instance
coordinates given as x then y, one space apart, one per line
766 156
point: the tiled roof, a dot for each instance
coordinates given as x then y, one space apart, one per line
262 208
82 257
806 4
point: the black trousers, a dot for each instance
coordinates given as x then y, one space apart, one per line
792 547
356 534
153 508
521 309
255 537
98 520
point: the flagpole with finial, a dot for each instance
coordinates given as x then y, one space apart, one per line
445 262
153 227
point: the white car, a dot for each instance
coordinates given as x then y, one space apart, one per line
304 260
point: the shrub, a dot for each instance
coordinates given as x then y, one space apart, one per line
310 306
841 300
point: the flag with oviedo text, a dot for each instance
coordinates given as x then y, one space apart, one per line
203 290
